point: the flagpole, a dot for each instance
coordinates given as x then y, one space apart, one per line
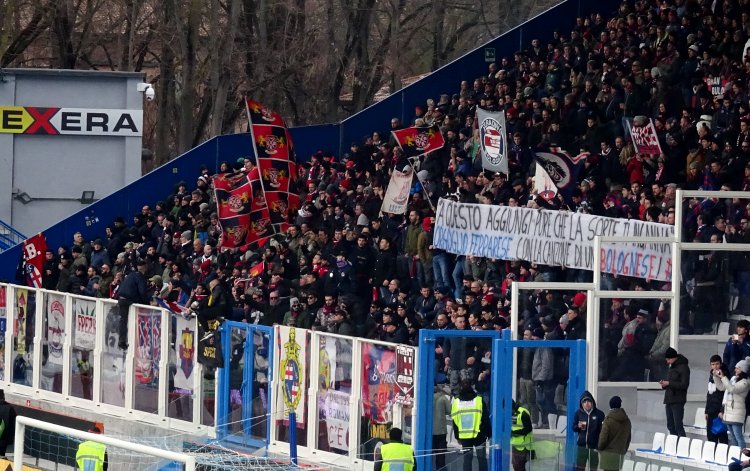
421 183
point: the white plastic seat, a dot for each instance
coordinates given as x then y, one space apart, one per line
721 453
628 465
696 449
683 447
700 418
723 329
640 466
670 445
747 424
709 451
658 443
665 468
552 421
734 452
562 423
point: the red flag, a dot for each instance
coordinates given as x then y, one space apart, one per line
34 250
257 270
257 113
416 141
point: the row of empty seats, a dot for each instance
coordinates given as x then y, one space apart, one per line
684 451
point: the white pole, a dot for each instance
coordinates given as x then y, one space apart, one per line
22 422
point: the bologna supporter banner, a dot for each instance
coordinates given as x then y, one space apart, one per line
292 350
70 121
84 337
493 140
148 345
335 410
644 138
397 194
184 352
555 238
55 328
34 250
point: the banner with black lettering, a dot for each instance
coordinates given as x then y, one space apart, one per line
493 140
555 238
210 354
397 194
644 136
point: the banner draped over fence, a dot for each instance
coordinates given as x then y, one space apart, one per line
555 238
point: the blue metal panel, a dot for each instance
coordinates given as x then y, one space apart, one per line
248 374
426 387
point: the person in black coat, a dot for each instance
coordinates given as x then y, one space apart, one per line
675 391
8 418
133 289
714 399
218 304
384 268
587 424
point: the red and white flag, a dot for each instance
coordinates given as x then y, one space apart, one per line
34 250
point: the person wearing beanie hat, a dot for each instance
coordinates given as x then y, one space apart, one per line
614 439
735 392
675 390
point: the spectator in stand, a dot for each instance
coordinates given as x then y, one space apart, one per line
614 439
132 290
738 345
675 390
714 401
588 425
735 391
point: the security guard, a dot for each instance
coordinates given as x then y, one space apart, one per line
471 425
395 455
91 455
521 437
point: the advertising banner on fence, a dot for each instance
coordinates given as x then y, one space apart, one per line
404 375
184 350
292 369
55 328
555 238
397 193
84 324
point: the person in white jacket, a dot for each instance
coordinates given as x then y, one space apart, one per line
735 390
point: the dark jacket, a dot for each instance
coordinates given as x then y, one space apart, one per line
8 415
134 288
734 352
220 303
589 436
614 439
678 376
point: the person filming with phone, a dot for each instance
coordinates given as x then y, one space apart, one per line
737 346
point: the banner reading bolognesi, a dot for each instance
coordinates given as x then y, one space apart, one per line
555 238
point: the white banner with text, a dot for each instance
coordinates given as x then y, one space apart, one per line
554 238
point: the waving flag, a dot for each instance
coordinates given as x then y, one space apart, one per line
275 174
416 141
493 140
543 184
562 169
34 250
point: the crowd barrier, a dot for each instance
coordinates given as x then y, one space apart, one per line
347 392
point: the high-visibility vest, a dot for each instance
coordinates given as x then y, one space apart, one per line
521 442
397 457
468 416
90 456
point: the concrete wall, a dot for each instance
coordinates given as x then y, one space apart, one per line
55 169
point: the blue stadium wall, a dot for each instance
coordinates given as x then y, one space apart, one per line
158 184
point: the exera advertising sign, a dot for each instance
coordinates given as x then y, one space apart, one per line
70 121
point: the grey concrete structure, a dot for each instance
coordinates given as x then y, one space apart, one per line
95 144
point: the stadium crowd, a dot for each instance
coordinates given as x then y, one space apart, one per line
346 268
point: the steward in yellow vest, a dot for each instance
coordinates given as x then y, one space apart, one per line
471 425
395 455
91 455
521 437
